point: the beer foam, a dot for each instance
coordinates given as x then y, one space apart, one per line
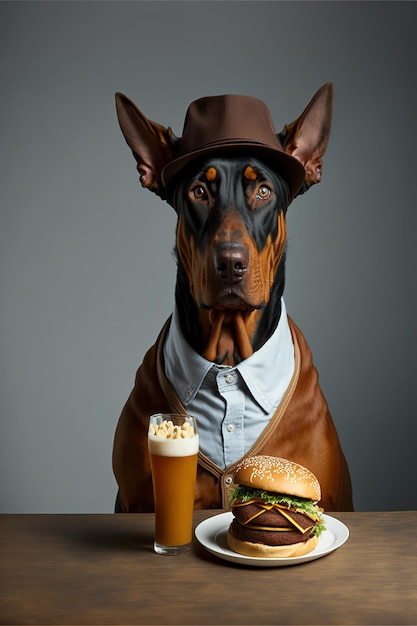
173 447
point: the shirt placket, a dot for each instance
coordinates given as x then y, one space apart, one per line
232 426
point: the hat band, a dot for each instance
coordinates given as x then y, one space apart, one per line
237 141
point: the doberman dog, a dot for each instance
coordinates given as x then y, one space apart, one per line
229 354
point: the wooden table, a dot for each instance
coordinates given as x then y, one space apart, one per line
101 569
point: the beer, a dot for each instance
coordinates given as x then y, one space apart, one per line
174 471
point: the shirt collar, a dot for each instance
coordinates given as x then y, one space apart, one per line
184 367
266 372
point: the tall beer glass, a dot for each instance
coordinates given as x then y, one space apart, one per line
173 448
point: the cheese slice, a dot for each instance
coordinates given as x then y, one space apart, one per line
265 506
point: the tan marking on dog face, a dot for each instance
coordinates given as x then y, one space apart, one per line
272 253
211 174
250 173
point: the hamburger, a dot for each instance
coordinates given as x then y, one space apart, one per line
275 509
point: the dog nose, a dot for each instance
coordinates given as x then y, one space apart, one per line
231 261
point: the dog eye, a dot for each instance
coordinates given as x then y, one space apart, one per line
263 192
198 192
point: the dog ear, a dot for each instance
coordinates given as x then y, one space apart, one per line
152 144
307 137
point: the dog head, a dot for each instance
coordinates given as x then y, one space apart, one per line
230 178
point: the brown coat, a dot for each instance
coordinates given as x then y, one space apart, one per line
301 430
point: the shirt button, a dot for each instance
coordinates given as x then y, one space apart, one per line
229 378
228 480
230 428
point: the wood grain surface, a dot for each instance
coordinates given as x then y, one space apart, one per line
101 569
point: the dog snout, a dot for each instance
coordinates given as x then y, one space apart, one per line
231 261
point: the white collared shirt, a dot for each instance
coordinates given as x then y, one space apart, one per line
232 404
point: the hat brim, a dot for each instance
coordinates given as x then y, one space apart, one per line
291 170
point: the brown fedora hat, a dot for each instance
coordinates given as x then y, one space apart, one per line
233 124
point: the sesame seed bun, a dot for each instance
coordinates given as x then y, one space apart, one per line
272 473
261 550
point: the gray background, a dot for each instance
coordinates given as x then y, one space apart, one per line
87 275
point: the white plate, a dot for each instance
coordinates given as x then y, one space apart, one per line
212 534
